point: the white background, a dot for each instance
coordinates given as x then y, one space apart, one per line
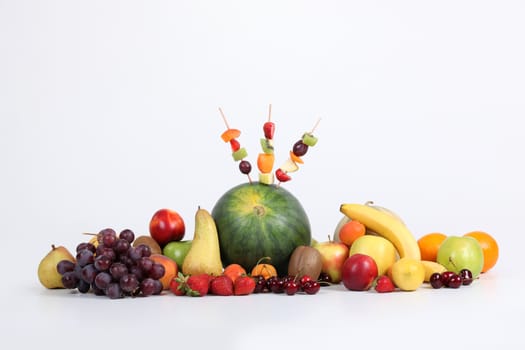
109 111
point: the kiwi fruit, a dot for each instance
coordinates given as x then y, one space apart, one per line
149 241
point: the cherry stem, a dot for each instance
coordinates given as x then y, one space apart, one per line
224 118
315 126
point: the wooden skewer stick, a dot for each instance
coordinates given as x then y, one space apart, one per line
270 112
224 118
315 126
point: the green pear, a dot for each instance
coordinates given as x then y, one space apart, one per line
204 255
47 268
177 251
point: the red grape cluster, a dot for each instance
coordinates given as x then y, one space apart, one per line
451 279
113 268
290 285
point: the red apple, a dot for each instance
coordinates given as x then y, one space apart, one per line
359 272
165 226
333 256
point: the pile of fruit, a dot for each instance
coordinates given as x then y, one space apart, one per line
257 239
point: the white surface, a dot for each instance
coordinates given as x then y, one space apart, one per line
109 112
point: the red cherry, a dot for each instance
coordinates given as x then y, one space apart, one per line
311 287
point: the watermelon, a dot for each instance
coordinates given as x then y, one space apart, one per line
256 220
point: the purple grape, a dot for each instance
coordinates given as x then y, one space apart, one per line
103 280
85 257
88 273
117 270
144 249
126 260
106 231
109 252
147 287
157 271
300 148
137 272
102 262
145 264
109 239
127 235
83 286
245 167
121 246
85 245
134 253
158 287
64 266
129 283
113 291
70 280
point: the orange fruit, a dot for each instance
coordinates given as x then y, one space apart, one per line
489 246
233 271
429 245
170 267
351 231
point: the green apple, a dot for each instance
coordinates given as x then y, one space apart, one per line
460 252
379 248
177 251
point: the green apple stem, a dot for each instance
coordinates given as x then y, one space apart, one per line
452 262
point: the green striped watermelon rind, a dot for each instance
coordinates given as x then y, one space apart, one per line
256 220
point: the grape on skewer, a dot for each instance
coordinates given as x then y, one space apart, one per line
239 153
299 149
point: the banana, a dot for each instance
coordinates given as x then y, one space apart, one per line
431 267
386 225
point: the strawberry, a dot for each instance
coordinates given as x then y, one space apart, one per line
198 285
384 284
221 285
178 285
244 285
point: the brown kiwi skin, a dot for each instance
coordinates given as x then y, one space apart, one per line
305 260
149 241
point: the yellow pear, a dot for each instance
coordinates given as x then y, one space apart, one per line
204 255
47 268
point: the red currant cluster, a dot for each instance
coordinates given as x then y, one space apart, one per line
451 279
290 285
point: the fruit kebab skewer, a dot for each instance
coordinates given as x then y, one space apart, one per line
266 159
238 153
298 150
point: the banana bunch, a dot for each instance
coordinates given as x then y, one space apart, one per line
386 224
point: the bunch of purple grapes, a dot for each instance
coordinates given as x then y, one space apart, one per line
113 268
